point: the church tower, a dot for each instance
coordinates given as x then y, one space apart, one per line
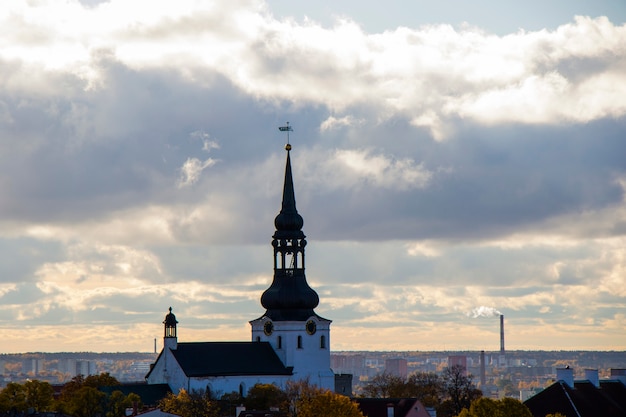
299 336
170 340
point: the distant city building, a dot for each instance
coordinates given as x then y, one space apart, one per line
397 367
32 366
140 367
458 360
348 364
67 366
85 368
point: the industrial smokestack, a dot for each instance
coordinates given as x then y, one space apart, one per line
483 376
501 334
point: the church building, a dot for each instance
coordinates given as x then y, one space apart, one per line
289 341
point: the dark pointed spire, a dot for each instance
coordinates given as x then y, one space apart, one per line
288 220
289 297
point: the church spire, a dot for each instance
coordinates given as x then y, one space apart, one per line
289 297
288 222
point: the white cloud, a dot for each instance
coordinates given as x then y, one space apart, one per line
336 123
426 75
428 249
361 167
483 311
192 169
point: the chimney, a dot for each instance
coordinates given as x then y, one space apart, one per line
591 375
390 410
483 376
619 374
566 375
502 334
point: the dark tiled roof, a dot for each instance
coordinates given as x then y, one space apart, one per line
229 358
377 407
256 413
149 394
584 400
616 390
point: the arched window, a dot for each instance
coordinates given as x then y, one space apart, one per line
323 342
258 338
299 342
280 342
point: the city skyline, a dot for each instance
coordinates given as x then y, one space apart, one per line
451 165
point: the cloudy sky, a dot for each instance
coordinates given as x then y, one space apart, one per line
451 161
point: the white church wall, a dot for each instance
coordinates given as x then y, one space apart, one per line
219 385
309 359
167 371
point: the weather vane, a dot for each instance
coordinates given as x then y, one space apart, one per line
287 129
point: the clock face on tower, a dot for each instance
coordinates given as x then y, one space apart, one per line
311 327
268 328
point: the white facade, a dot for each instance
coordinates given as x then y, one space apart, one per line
167 371
303 345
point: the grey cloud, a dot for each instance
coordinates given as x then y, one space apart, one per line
22 294
20 256
496 180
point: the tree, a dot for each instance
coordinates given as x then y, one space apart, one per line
326 403
229 402
486 407
13 399
71 386
86 402
71 389
117 404
194 404
460 391
39 395
385 385
102 380
308 400
134 401
266 396
427 387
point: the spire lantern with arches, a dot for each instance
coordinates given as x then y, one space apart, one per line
170 324
170 339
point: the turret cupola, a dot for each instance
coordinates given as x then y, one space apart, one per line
169 338
289 297
170 324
